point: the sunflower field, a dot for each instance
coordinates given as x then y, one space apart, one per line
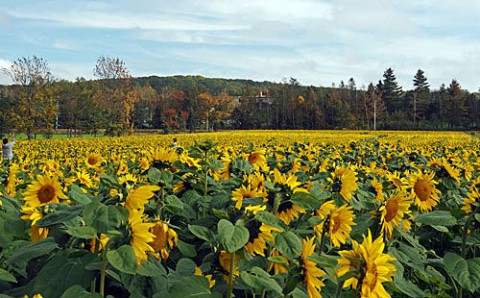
243 214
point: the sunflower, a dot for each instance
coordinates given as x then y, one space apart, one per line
311 272
93 160
198 272
423 190
339 222
122 168
444 169
379 267
344 181
373 267
260 234
84 178
163 158
165 238
101 244
144 164
225 260
257 159
12 179
52 167
256 180
246 192
278 267
377 190
395 179
288 184
45 190
393 212
140 236
137 198
224 173
34 215
189 161
128 178
475 184
472 201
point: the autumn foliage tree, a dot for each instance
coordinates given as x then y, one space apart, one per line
35 104
116 93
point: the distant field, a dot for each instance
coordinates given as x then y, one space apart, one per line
238 213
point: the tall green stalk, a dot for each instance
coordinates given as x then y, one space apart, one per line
325 228
230 276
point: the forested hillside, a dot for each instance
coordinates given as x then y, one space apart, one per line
118 103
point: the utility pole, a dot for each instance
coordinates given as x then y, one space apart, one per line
375 114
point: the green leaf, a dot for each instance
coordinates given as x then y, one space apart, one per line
320 193
78 291
259 279
63 271
102 217
202 232
436 218
107 179
82 232
270 219
151 268
173 203
185 287
31 250
186 249
306 201
442 229
325 261
96 216
61 214
288 244
185 267
279 260
232 237
123 259
465 272
78 195
154 175
7 276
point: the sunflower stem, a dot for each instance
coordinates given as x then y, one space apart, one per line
103 274
230 275
103 271
338 292
324 232
463 250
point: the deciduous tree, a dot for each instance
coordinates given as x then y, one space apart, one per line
118 95
35 105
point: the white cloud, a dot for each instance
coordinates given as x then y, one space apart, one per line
316 42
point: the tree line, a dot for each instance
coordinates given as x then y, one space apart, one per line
116 103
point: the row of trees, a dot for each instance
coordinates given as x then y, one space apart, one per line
117 103
379 106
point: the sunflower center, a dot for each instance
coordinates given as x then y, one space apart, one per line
335 222
253 157
422 190
160 240
46 194
92 160
392 209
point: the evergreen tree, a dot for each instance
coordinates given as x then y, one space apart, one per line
421 96
391 93
455 105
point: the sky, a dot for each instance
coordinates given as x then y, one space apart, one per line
317 42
